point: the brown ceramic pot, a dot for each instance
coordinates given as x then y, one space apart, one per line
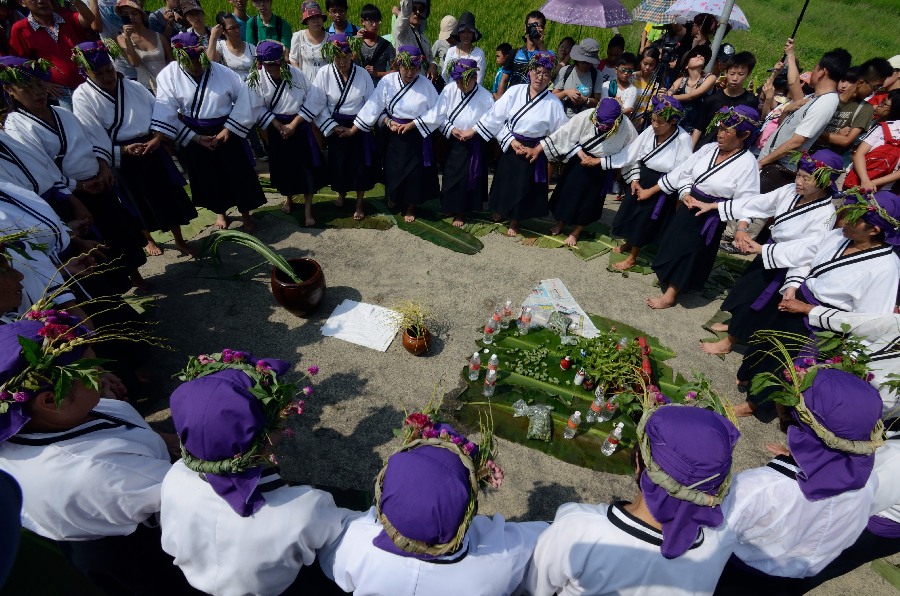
299 298
416 345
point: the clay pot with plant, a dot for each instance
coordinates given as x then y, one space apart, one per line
413 323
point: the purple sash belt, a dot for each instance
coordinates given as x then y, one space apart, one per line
711 221
346 120
809 298
195 123
476 163
171 170
304 127
660 203
770 289
427 148
540 164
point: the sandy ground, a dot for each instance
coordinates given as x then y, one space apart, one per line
360 394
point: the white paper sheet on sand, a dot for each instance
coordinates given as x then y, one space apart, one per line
363 324
552 295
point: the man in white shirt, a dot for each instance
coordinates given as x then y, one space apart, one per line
800 129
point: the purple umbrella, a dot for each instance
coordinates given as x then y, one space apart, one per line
590 13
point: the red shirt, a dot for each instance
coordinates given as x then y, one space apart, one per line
25 42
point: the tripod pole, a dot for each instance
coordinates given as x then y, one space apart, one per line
720 34
797 25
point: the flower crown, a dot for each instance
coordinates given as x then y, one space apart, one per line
107 45
351 46
730 119
407 60
183 56
840 351
544 59
16 241
666 110
608 128
19 75
419 430
276 398
823 174
854 210
284 70
466 74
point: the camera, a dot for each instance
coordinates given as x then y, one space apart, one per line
532 30
126 19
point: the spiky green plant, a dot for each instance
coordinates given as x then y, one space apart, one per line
212 243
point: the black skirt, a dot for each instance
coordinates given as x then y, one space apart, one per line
292 164
579 195
744 319
684 259
514 193
155 188
347 168
456 194
223 177
634 221
117 227
407 180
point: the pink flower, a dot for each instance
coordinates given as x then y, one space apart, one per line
20 396
837 359
496 478
307 391
690 396
429 433
272 459
204 359
869 377
52 331
5 395
227 358
239 356
469 448
457 440
313 370
263 366
418 421
445 435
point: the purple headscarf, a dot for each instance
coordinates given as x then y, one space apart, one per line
692 445
891 204
269 52
850 408
341 41
217 417
425 493
189 42
607 113
543 59
823 157
668 107
411 54
739 118
12 362
25 66
464 67
95 53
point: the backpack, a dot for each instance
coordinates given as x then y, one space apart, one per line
253 29
880 161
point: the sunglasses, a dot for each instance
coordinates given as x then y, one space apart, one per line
626 70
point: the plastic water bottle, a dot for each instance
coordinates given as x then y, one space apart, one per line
597 408
489 329
474 367
622 343
507 313
524 321
612 441
572 425
490 383
493 363
579 376
609 411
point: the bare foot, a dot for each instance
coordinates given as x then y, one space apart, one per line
221 221
557 228
660 302
358 215
409 218
458 222
624 247
625 265
496 217
512 232
722 346
720 327
153 249
185 248
309 221
339 202
743 410
249 225
571 240
287 206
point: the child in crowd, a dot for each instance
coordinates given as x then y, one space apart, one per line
737 69
337 11
376 54
614 50
501 55
621 87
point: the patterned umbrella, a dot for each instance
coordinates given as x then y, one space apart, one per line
590 13
691 8
653 11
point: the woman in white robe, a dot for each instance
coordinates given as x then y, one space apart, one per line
659 149
193 103
721 171
353 162
118 111
399 102
519 120
279 99
461 104
590 136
